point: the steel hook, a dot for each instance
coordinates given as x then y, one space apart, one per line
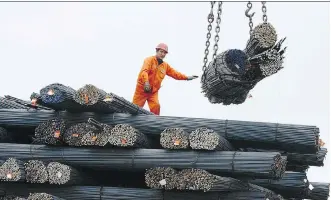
249 15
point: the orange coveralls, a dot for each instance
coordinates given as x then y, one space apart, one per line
153 73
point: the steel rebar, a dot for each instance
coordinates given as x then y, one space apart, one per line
12 170
174 138
36 171
7 104
51 131
124 135
43 196
74 135
161 178
319 191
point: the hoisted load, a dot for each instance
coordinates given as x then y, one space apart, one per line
233 73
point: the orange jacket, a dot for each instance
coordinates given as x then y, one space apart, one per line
154 74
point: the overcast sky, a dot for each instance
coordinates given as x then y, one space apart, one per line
105 44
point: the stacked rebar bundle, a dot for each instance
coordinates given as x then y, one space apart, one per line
51 132
58 97
161 178
319 191
5 136
36 171
12 197
43 196
208 139
257 164
124 135
174 138
99 138
26 103
74 135
12 170
291 185
61 174
7 104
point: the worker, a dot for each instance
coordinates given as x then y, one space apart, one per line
150 78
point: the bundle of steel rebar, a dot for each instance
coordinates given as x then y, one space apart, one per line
61 174
124 135
319 191
287 137
5 136
36 171
292 185
222 80
12 197
263 37
58 97
99 138
7 104
43 196
201 180
26 103
124 105
116 193
297 168
257 164
12 170
74 135
161 178
174 138
298 159
51 131
208 139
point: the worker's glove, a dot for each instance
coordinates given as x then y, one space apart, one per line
147 87
192 77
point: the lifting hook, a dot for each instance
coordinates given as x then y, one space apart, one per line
246 12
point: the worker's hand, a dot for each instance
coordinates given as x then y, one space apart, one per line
192 77
147 87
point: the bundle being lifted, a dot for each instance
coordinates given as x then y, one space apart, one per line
291 185
51 132
12 170
161 178
207 139
43 196
174 138
36 171
256 164
124 135
58 97
319 191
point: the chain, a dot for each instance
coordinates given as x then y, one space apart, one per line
210 21
264 10
250 24
217 29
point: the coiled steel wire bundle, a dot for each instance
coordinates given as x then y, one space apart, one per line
61 174
7 104
51 131
58 97
116 193
161 178
74 135
208 139
263 37
124 135
5 136
174 138
222 81
201 180
36 171
12 170
257 164
320 191
43 196
291 185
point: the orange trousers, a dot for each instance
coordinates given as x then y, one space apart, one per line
140 97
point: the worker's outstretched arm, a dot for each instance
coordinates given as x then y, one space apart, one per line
145 69
175 74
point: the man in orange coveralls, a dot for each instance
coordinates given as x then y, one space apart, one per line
151 76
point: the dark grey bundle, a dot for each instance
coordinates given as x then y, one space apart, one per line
36 171
161 178
174 138
51 132
74 135
12 197
319 191
124 135
12 170
7 104
27 104
98 138
43 196
208 139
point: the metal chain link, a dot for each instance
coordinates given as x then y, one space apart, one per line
264 11
209 28
250 16
217 29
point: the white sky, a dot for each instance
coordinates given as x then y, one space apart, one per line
105 43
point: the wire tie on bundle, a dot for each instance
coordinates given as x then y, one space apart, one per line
232 163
